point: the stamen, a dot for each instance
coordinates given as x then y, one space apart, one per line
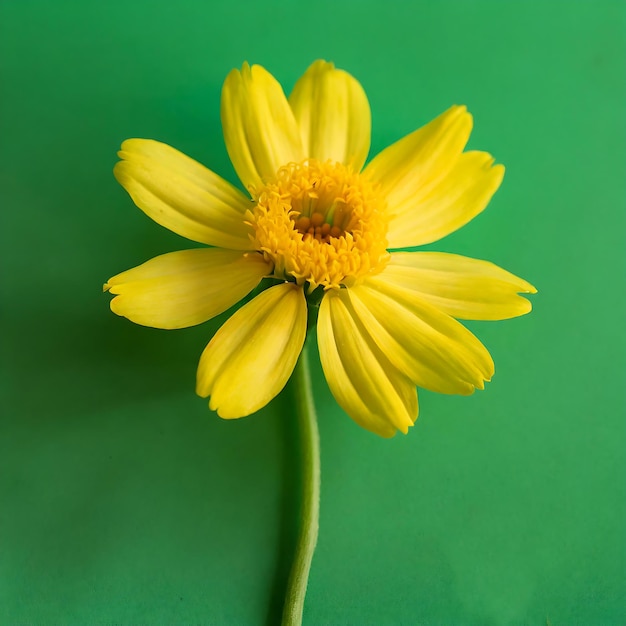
320 223
317 219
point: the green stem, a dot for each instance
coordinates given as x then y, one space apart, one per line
310 506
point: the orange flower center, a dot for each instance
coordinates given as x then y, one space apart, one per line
320 223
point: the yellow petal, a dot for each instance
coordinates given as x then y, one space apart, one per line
185 288
182 195
333 113
365 384
434 350
260 130
407 169
251 357
450 204
465 288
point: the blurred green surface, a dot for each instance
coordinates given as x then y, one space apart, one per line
123 500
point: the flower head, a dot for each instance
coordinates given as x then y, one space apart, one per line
326 231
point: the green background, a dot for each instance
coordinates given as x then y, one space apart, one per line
125 501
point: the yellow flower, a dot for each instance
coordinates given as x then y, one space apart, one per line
324 228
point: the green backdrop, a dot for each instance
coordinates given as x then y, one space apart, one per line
125 501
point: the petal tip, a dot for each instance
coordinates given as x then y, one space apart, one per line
201 389
125 146
221 412
498 169
244 72
460 113
114 305
119 169
321 63
404 429
229 411
526 307
258 72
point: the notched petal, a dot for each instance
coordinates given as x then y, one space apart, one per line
260 130
462 287
434 350
185 288
370 389
333 114
182 195
250 358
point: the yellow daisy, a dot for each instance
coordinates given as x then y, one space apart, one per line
326 229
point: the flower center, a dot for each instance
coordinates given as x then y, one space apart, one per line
320 223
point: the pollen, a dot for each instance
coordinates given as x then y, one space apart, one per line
320 223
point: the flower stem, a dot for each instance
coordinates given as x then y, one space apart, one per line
310 503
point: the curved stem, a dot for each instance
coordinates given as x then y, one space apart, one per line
310 503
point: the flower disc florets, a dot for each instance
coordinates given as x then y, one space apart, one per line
321 223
